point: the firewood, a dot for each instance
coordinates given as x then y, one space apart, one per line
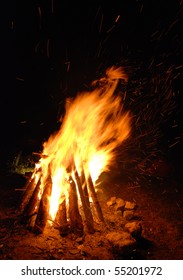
74 215
84 187
95 199
85 204
31 210
61 218
86 195
43 212
29 189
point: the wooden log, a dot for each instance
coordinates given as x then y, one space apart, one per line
74 214
95 199
85 188
86 205
61 218
30 186
31 210
83 179
43 211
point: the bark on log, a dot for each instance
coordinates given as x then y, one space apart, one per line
30 186
74 215
43 211
85 188
61 218
85 204
95 199
30 212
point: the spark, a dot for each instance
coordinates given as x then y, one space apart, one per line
36 47
39 11
117 19
68 63
110 29
174 144
141 8
12 25
20 79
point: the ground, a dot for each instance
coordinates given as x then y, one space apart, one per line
159 211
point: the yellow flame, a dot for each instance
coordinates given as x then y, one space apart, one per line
93 126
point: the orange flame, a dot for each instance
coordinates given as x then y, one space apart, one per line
94 125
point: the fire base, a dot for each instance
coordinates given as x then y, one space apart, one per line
77 212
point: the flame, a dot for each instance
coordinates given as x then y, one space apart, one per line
94 125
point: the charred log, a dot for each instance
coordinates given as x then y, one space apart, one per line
95 199
43 212
30 187
61 218
31 210
74 214
85 204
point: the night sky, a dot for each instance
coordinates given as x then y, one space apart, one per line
53 49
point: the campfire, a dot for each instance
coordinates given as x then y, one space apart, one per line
62 190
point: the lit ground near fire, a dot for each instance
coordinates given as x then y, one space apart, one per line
159 211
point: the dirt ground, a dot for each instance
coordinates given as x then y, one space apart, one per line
159 211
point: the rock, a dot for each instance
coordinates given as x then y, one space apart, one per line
109 203
80 247
74 251
119 213
135 229
120 204
80 240
130 205
129 214
60 251
112 201
122 242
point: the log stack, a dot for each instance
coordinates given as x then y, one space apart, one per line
77 211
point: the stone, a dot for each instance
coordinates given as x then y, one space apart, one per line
135 229
80 240
109 203
122 241
129 214
74 251
119 213
130 205
112 201
120 204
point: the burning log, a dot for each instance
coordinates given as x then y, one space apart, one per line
31 210
74 215
95 199
30 186
85 188
86 205
36 204
43 212
61 218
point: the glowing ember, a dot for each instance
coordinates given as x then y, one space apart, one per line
94 125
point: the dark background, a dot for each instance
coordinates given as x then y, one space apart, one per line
52 49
